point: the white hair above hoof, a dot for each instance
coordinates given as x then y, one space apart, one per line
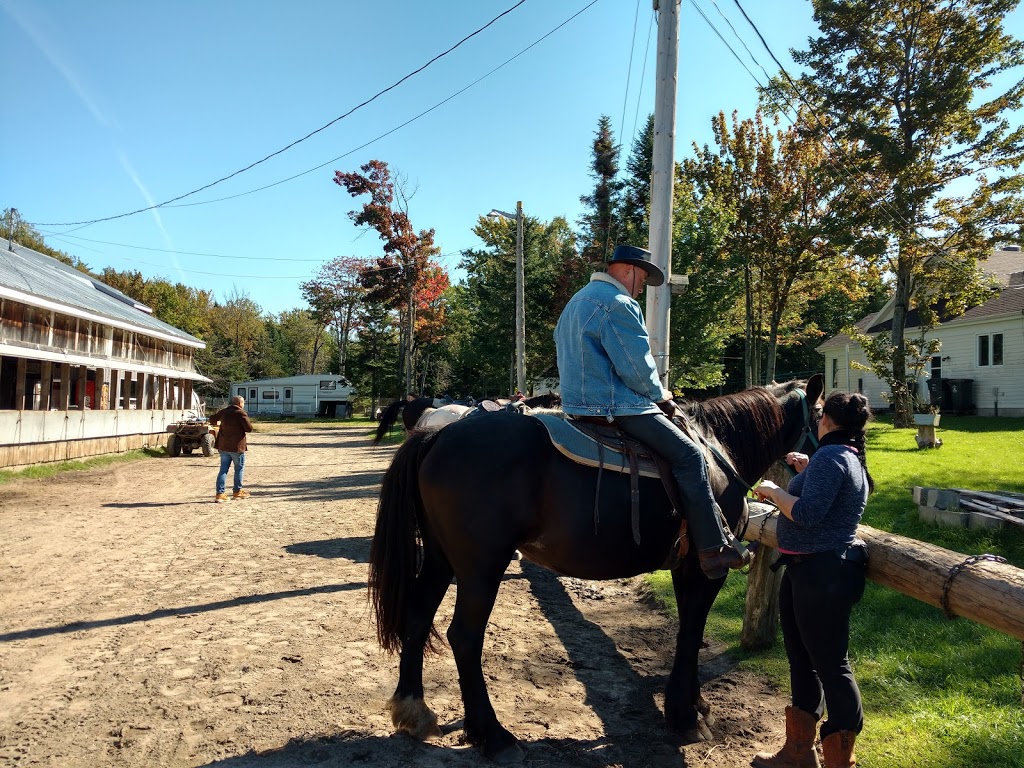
413 716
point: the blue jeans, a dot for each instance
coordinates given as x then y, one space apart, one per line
689 470
227 458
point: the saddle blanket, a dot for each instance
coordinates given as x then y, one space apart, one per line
585 450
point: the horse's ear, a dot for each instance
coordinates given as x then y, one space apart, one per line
815 388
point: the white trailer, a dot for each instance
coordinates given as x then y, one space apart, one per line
316 394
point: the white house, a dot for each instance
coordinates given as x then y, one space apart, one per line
322 394
981 363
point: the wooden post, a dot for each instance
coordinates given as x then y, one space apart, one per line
990 593
64 397
45 384
19 384
126 390
115 388
181 394
83 382
761 610
187 386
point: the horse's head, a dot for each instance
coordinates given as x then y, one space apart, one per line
801 403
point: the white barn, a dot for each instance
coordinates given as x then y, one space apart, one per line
84 369
981 362
321 394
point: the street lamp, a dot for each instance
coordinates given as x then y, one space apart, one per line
520 298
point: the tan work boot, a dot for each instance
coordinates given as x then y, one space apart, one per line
220 498
798 751
241 494
838 749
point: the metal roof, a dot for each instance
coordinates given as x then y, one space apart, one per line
45 281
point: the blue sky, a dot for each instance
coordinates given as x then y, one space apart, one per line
116 105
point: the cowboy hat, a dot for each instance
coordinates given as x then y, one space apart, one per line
638 257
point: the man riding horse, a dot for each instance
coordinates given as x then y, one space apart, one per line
606 371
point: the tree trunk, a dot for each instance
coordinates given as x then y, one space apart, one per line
902 416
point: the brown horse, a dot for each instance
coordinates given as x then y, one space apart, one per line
446 513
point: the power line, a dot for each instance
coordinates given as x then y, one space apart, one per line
398 127
292 144
629 69
62 237
643 74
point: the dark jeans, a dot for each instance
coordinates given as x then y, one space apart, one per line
816 599
688 469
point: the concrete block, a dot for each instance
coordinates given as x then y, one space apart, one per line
981 520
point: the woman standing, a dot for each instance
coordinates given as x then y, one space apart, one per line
824 579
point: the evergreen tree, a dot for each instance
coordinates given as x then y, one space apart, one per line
597 224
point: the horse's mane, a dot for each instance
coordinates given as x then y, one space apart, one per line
748 425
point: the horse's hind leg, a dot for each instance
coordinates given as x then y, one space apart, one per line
473 605
408 710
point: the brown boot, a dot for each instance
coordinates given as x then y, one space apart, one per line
798 751
838 749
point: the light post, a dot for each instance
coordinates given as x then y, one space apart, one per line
520 295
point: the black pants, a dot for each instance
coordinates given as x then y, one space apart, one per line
688 469
816 599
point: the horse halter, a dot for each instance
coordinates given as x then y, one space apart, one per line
806 433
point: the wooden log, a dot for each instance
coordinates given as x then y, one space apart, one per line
992 512
984 591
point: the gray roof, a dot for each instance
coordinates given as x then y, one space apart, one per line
43 277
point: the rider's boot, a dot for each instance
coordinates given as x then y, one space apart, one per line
717 548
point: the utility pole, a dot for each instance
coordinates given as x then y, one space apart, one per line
659 300
520 303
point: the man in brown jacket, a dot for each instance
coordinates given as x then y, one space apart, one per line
234 423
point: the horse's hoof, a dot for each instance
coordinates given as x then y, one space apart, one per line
413 716
709 719
513 754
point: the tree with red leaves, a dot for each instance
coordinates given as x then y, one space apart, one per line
399 273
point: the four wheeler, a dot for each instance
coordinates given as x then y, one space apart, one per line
189 434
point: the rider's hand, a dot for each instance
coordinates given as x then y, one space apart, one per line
765 489
798 461
669 408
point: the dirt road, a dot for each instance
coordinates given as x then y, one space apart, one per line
143 625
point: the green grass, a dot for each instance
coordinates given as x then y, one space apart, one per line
937 693
42 471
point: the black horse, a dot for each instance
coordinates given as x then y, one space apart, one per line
445 512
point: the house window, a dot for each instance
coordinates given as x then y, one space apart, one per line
860 386
936 366
990 350
270 394
328 385
835 372
287 393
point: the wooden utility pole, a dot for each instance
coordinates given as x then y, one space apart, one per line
659 300
520 303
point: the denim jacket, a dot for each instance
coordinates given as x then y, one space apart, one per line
605 365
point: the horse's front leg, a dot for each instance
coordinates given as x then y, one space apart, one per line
686 711
473 604
409 711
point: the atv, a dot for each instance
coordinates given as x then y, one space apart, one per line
189 434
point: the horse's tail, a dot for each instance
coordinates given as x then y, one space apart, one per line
394 550
387 420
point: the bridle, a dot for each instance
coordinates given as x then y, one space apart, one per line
806 433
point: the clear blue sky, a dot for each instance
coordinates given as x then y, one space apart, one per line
115 105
